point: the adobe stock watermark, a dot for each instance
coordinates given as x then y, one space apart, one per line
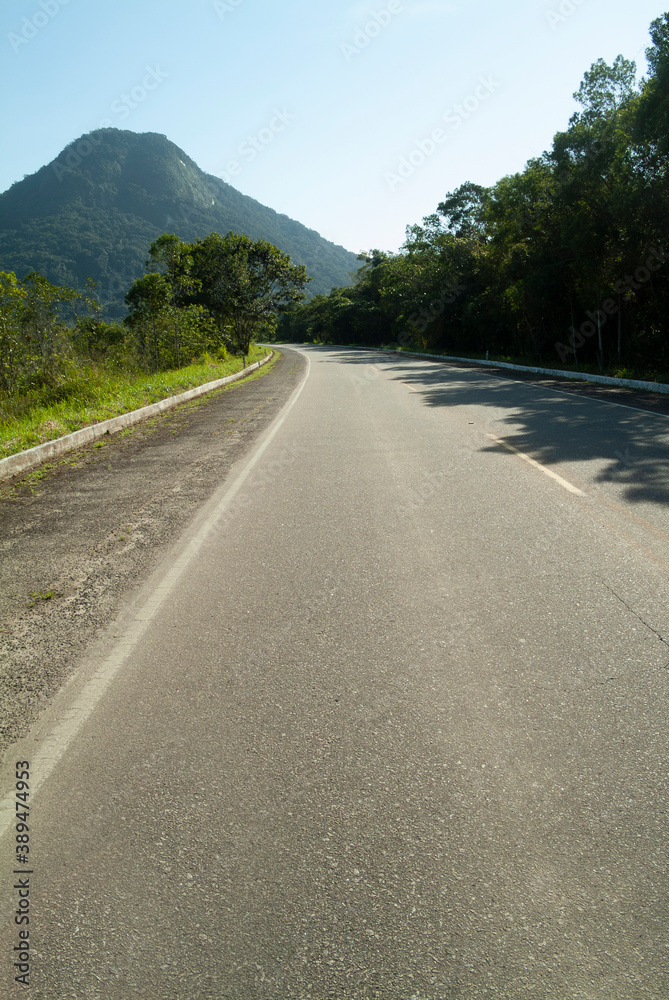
455 117
626 459
565 178
223 7
122 108
130 100
253 145
185 215
599 317
75 155
421 319
563 12
366 33
31 26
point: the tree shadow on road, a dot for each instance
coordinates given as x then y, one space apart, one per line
630 445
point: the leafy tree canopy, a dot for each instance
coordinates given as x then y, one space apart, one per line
565 260
244 283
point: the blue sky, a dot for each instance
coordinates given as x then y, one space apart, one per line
353 118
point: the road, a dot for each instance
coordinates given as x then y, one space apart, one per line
87 528
389 720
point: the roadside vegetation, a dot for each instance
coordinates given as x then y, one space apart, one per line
565 264
94 393
89 212
193 318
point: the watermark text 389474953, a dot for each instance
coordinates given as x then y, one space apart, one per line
23 871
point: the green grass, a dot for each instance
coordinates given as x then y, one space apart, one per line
46 595
92 394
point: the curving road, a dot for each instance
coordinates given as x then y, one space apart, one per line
389 721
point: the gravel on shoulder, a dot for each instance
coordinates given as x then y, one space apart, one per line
78 536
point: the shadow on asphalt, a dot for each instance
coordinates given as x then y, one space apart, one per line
555 428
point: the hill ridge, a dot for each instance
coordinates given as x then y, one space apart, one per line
97 206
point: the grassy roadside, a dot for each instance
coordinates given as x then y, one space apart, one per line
98 395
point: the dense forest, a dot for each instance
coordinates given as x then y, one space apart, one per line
209 297
566 261
94 210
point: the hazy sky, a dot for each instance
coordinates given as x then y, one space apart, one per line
353 118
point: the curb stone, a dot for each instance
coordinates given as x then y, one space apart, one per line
23 461
579 376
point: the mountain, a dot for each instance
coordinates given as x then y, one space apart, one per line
95 209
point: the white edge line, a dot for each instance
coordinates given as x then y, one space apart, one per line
394 356
572 395
658 387
54 745
563 392
537 465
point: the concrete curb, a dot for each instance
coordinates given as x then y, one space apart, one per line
628 383
23 461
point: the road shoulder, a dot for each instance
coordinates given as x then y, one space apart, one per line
78 537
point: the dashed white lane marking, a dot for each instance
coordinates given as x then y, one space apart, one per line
537 465
52 748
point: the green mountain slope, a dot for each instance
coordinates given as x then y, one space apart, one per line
95 209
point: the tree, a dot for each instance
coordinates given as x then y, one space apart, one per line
33 339
650 128
244 283
465 209
14 353
40 319
568 255
149 300
605 89
93 335
171 257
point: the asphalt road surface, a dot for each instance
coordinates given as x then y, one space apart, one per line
87 528
388 720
